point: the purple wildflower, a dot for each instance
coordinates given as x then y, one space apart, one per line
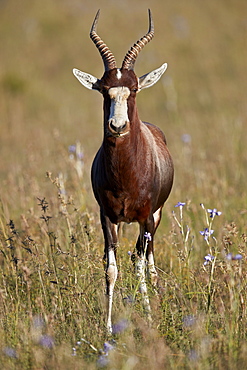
180 204
208 258
46 341
214 212
231 257
10 352
237 257
206 233
103 361
120 326
72 148
148 236
76 149
108 347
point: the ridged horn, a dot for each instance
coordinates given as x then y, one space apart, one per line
107 56
130 57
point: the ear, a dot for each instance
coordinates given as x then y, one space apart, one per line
87 80
152 77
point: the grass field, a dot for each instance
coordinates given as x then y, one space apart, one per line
52 302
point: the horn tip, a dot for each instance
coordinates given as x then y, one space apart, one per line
95 22
151 23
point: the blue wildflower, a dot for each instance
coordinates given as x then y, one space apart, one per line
120 326
206 233
237 257
72 148
10 352
231 257
103 361
208 258
180 204
214 212
46 341
108 347
76 149
148 236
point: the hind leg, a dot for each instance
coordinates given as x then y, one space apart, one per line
140 269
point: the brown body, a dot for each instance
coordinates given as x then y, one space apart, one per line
132 173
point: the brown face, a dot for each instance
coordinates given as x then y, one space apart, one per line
118 77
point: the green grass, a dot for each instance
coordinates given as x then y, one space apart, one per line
52 302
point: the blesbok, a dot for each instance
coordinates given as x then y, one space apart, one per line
132 173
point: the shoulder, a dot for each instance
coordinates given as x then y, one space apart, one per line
156 131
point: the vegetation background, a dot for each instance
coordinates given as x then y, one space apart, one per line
51 278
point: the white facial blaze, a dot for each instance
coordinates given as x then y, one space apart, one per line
119 109
119 74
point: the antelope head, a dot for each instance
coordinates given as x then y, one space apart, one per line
119 86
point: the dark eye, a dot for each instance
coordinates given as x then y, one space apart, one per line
134 90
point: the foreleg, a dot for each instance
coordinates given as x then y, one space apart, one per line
111 271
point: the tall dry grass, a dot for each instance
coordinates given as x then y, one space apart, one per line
52 307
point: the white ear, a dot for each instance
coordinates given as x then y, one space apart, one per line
152 77
87 80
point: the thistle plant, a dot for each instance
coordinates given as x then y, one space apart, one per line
52 250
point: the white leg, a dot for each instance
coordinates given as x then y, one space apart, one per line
151 267
140 273
152 270
111 276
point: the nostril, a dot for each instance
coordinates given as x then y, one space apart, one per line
122 127
115 127
112 125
